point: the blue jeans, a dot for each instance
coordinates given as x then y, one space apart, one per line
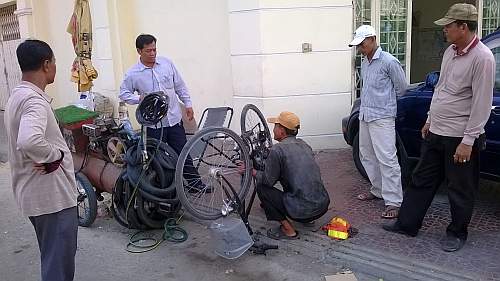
175 137
57 238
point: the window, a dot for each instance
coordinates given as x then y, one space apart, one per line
393 18
9 26
491 16
362 16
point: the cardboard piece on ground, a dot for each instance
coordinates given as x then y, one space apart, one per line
341 277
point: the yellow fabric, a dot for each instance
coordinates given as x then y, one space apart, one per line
83 73
80 28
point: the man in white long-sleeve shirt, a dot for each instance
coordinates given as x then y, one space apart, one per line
383 80
42 172
152 74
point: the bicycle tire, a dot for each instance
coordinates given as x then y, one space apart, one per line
244 182
90 213
146 217
251 107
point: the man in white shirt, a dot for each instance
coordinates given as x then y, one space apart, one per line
153 74
42 172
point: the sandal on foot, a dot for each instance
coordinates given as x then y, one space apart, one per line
366 196
309 224
391 212
277 233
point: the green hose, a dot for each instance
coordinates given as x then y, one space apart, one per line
171 232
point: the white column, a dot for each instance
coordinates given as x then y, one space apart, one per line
24 15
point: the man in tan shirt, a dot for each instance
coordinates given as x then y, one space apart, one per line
42 170
454 132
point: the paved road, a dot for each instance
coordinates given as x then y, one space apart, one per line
101 254
372 254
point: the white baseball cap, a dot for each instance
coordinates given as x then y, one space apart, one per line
361 33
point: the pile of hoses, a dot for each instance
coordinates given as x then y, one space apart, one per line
144 195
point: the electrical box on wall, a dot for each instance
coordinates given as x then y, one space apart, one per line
306 47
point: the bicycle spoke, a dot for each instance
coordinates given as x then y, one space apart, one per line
219 155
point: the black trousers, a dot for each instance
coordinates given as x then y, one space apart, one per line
436 166
271 200
175 137
57 238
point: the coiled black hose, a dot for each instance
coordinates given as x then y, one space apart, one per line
144 195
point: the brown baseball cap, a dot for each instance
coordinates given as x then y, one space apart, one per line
286 119
460 11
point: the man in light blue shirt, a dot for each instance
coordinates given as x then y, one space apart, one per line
383 80
153 74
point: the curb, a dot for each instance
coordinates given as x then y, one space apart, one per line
367 260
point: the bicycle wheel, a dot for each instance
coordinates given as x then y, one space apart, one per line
207 166
254 127
86 201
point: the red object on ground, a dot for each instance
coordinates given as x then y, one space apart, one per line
337 228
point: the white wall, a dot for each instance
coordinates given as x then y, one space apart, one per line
270 70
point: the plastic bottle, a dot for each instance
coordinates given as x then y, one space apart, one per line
122 111
86 101
123 117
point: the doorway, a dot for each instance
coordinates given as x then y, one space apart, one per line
427 39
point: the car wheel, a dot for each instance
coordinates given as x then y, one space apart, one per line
406 166
355 157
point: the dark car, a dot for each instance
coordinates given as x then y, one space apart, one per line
412 114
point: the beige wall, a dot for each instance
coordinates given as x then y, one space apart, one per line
194 34
49 24
229 52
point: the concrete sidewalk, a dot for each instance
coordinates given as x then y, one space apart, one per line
478 260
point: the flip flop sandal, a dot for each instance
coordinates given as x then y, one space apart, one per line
310 224
391 212
366 196
277 233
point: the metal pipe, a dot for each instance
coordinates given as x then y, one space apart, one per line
101 174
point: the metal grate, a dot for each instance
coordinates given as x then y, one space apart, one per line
9 25
491 16
362 16
393 28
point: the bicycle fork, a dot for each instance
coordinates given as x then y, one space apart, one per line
233 202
